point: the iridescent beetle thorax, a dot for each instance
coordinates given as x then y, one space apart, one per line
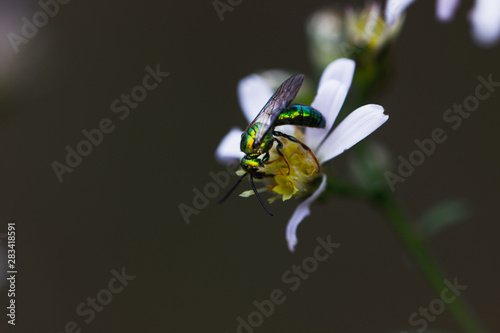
253 150
249 145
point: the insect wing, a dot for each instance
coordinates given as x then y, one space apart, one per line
283 96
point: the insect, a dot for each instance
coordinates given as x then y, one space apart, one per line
260 135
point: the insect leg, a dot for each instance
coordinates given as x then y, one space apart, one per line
293 139
232 188
258 196
278 150
266 157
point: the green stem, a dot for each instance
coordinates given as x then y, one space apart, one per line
426 263
415 246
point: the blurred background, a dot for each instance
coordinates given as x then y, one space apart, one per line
119 208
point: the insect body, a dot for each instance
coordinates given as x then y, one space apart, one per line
260 135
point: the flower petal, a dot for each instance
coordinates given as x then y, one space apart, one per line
485 20
300 213
229 147
287 129
341 70
394 9
253 94
328 101
354 128
445 9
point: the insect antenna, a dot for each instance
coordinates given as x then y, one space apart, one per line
232 188
254 191
258 196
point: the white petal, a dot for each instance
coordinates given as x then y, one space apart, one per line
300 213
394 8
328 101
287 129
354 128
229 147
485 20
253 94
341 70
445 9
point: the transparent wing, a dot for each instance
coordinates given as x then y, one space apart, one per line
283 96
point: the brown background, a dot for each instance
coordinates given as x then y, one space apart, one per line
119 208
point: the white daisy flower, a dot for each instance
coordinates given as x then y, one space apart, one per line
484 17
294 172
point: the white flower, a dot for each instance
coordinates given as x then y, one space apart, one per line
484 17
333 86
485 20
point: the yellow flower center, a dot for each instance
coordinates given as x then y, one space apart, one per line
290 171
367 28
293 170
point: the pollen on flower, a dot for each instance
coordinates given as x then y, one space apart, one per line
285 186
293 171
290 172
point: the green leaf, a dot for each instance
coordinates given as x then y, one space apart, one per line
367 162
442 216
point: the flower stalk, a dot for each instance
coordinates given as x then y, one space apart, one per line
385 202
427 265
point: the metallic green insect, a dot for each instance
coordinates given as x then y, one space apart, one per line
260 136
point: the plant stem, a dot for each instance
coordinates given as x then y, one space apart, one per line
425 262
415 246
